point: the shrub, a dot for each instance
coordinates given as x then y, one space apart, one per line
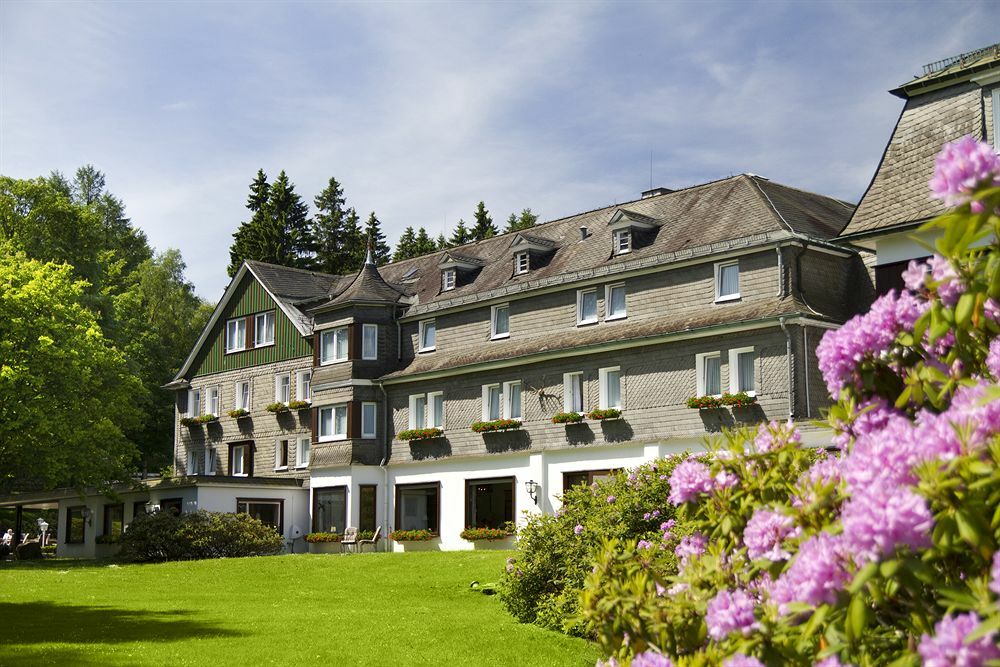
195 535
239 412
609 413
496 425
276 408
190 421
704 402
366 534
49 550
886 553
489 534
299 405
108 539
567 418
419 434
420 535
320 538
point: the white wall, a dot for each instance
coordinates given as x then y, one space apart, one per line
906 245
223 498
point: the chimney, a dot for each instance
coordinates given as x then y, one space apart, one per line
583 232
656 192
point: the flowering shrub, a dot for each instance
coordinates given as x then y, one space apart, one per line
276 408
420 535
239 412
196 421
883 552
740 399
322 538
489 534
299 405
609 413
496 425
419 434
567 418
704 402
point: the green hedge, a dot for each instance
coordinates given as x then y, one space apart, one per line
196 535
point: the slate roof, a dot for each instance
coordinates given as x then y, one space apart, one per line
368 287
943 72
625 330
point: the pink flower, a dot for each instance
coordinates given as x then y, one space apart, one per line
815 576
832 661
611 499
774 435
651 659
578 529
949 287
995 573
689 479
740 660
915 275
960 167
690 546
992 310
728 612
881 518
764 534
949 647
993 359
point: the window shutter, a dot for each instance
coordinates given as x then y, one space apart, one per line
250 453
358 331
314 413
182 401
354 419
317 340
353 341
251 332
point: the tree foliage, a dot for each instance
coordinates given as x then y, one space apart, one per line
279 230
375 239
516 223
482 226
414 244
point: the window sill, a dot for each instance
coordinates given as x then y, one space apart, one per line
369 436
731 297
500 336
612 318
586 323
426 349
281 469
331 438
256 345
301 466
330 362
369 358
240 474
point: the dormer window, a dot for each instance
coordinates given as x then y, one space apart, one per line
623 241
522 263
447 280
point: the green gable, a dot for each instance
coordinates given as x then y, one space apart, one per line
249 298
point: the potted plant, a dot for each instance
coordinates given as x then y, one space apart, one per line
190 421
277 408
704 402
415 540
567 418
606 414
207 419
415 434
738 400
496 425
299 405
324 543
239 413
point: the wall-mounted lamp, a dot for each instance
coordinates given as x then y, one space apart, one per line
531 486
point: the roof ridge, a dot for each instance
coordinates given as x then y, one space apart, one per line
770 205
807 192
296 268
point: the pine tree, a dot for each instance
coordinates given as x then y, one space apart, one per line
483 227
328 228
406 245
424 243
442 242
375 239
511 224
354 243
527 220
461 235
289 236
244 240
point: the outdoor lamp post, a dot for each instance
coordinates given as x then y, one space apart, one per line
531 486
87 514
43 527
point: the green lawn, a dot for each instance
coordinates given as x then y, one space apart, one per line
361 609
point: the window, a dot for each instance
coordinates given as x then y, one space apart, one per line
303 385
194 402
369 341
367 507
727 281
615 302
623 241
418 411
282 388
522 263
586 306
333 346
281 455
428 336
76 525
512 400
573 392
611 388
194 463
174 506
368 420
114 520
210 460
333 422
240 460
447 280
500 322
214 401
741 370
242 395
302 453
330 510
709 370
263 333
491 402
417 507
236 335
267 511
571 479
435 412
489 503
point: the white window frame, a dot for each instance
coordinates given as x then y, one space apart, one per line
256 319
579 307
493 322
333 423
505 400
303 387
339 331
231 338
608 317
412 419
734 370
192 463
699 369
522 263
449 279
603 377
369 435
237 394
366 353
621 235
215 392
277 451
302 453
718 281
277 387
486 401
568 392
194 403
429 409
210 455
420 336
233 459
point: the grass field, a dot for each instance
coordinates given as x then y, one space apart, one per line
362 609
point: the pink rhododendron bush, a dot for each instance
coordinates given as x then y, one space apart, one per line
882 551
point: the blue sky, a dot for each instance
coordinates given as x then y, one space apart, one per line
421 110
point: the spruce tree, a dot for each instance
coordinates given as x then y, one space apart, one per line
328 228
483 227
406 245
288 235
424 244
244 239
354 243
527 220
511 224
442 242
461 235
375 239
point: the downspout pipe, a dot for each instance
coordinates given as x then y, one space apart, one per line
384 464
791 369
805 368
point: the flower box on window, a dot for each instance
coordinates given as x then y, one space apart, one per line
704 402
567 418
239 413
605 415
322 538
277 408
299 405
489 534
414 434
738 400
496 425
198 421
208 419
420 535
